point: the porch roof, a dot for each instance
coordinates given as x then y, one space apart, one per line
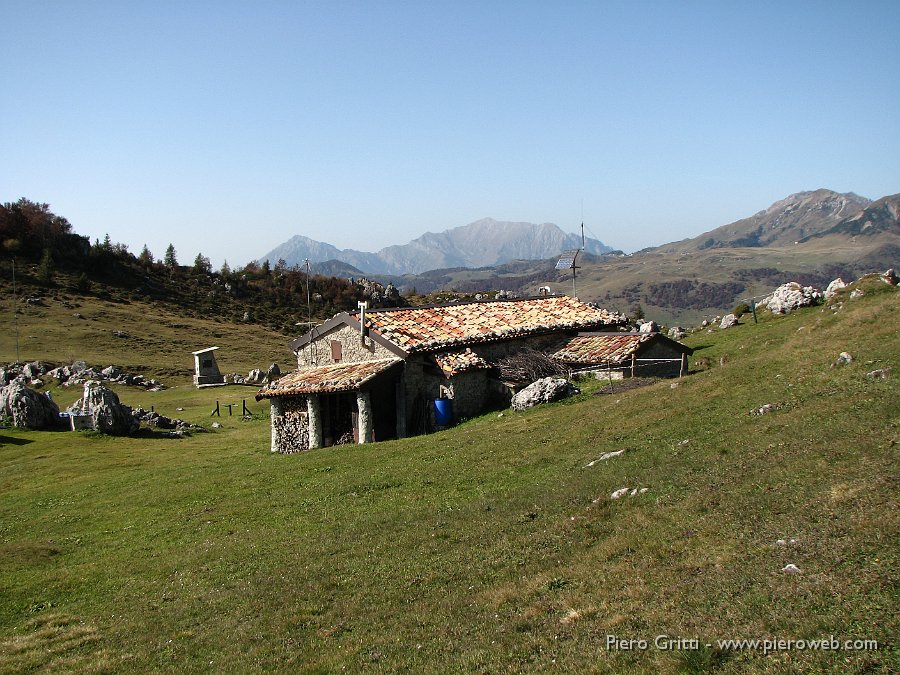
331 378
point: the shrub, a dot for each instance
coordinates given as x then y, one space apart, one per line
741 309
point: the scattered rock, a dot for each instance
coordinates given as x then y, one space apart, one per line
764 409
75 374
605 456
543 391
621 492
110 372
674 385
649 327
880 374
154 419
121 334
256 376
677 332
216 425
843 359
791 568
890 277
857 293
728 321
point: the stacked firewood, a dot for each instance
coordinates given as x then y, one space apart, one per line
528 366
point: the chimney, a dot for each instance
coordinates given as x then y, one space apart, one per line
363 306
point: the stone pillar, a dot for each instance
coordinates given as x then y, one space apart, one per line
400 395
276 407
364 407
314 412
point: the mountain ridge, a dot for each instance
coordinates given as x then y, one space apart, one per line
787 221
482 243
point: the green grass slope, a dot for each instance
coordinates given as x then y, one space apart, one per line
158 340
491 547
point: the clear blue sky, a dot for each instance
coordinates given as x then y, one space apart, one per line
227 127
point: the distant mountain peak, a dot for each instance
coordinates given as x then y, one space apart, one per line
482 243
796 217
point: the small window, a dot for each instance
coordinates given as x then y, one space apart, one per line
337 351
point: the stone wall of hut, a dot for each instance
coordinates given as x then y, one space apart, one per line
319 352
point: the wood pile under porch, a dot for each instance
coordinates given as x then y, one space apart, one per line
336 404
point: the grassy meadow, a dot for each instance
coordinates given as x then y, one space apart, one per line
490 547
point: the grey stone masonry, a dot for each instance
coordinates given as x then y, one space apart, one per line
319 352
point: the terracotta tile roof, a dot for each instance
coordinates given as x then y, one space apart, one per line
613 347
453 363
333 377
419 329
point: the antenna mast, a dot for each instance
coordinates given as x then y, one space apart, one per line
15 309
313 351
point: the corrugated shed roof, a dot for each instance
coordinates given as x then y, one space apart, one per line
331 378
614 347
454 363
418 329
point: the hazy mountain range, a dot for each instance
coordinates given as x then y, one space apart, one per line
811 237
484 243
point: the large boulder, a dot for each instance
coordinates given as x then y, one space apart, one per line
790 296
110 416
834 287
728 321
677 332
543 391
649 327
28 409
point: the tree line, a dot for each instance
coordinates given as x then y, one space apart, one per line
50 253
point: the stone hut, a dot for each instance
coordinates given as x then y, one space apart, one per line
624 354
374 375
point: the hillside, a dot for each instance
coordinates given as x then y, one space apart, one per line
811 237
785 222
485 242
490 547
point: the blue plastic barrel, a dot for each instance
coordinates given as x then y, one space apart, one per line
443 412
